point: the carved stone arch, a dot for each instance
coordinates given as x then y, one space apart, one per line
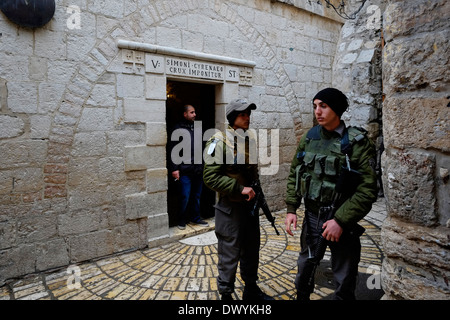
66 117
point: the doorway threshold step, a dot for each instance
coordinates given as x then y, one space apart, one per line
175 234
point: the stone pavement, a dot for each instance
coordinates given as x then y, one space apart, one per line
185 269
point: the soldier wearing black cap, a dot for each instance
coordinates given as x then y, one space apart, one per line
321 156
236 229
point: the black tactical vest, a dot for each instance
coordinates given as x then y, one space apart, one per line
321 163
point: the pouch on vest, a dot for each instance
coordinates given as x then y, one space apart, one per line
319 165
305 181
309 159
327 191
299 170
331 165
305 178
315 186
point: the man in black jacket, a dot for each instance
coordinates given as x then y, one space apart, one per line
188 173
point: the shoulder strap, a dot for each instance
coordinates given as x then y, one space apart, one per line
356 133
351 136
313 133
346 146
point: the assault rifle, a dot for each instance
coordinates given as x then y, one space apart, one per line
347 181
260 202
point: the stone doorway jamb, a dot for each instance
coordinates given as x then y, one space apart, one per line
157 64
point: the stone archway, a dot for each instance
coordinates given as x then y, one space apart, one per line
95 64
91 79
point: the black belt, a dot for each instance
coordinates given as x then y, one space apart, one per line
314 206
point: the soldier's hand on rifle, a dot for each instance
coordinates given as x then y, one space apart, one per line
248 191
333 230
291 218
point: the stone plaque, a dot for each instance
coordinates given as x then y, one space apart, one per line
154 64
133 61
232 74
194 69
246 76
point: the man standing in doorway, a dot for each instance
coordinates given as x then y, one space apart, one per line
327 153
230 173
189 174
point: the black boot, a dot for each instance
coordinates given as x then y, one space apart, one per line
301 296
253 292
227 297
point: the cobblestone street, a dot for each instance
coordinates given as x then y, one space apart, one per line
185 269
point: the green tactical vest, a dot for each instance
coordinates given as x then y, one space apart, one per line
244 168
323 159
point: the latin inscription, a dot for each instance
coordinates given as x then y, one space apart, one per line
136 62
195 69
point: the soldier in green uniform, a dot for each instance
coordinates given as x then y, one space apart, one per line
321 155
229 171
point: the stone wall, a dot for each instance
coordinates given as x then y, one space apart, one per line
416 162
357 68
357 71
82 121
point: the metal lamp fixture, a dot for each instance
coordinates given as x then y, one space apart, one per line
28 13
340 9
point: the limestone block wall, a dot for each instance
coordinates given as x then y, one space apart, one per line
357 68
416 162
82 128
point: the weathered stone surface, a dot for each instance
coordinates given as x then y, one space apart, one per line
79 222
18 260
158 226
152 83
40 126
10 127
415 118
52 254
156 133
21 180
428 117
417 63
91 245
23 154
144 157
141 205
417 265
131 235
405 18
409 181
406 282
141 110
357 68
157 180
22 97
96 119
89 144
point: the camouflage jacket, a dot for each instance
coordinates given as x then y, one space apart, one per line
315 169
229 167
